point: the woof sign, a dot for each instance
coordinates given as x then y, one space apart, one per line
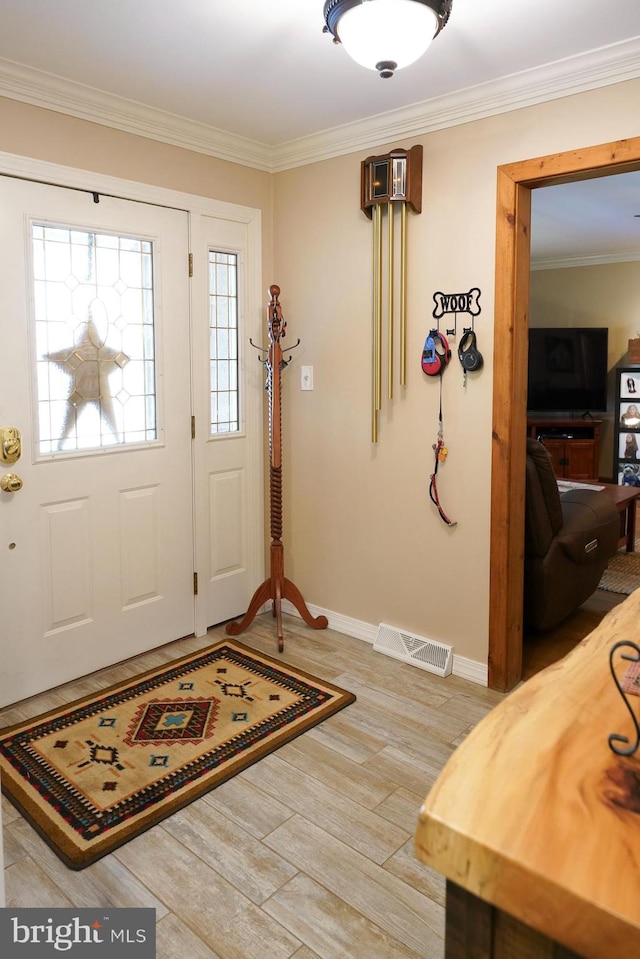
457 303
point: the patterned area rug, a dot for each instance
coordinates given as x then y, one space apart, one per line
91 775
623 572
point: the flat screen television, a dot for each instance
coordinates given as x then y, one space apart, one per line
567 370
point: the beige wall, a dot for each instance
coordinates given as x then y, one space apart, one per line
362 538
603 295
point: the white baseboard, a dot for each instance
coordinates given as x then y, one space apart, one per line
471 669
463 667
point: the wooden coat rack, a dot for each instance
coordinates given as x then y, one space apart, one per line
277 587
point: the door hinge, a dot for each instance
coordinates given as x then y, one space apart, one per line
191 264
195 584
193 427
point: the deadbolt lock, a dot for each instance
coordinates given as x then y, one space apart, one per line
10 483
10 445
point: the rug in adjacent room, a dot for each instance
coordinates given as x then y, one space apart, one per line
622 575
91 775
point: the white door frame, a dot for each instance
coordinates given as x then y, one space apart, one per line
28 168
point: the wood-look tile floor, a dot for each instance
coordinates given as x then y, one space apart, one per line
309 852
540 650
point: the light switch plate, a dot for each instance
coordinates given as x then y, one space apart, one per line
306 377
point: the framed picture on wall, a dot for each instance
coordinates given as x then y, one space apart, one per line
629 446
630 385
630 415
628 474
626 423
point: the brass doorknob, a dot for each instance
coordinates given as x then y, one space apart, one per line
10 445
11 483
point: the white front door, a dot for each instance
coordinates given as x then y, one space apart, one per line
96 548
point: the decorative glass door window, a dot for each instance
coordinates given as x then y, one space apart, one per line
95 339
223 342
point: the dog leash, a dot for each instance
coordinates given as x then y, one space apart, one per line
440 451
434 363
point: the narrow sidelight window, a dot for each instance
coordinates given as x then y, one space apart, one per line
223 342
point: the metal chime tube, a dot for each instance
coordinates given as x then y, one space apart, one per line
391 225
385 181
374 333
379 309
403 295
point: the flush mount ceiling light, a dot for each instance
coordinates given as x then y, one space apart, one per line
385 35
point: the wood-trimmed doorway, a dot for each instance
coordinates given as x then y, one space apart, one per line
513 221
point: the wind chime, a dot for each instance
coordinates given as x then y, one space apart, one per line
387 182
276 587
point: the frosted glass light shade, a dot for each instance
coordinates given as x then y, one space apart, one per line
391 32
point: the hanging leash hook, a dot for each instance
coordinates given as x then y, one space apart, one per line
434 363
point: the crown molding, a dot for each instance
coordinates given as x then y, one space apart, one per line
18 82
597 68
597 259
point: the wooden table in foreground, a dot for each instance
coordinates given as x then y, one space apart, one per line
535 822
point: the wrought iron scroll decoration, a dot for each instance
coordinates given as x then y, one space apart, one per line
616 739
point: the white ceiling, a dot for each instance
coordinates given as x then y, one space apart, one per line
258 82
586 223
262 69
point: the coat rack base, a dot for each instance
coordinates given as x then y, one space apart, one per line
276 588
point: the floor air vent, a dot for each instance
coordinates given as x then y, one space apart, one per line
426 653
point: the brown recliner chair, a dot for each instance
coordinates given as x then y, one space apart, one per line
569 539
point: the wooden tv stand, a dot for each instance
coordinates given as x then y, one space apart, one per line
573 442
